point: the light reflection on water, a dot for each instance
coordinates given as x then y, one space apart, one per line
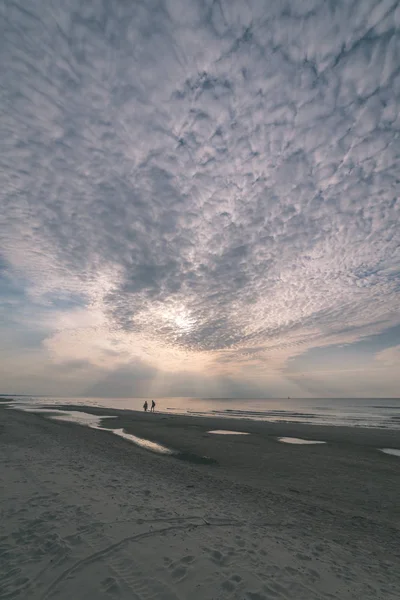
392 451
300 441
147 444
227 432
95 422
81 418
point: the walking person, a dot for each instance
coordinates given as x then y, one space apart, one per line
153 405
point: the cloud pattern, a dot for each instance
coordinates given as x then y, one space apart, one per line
212 176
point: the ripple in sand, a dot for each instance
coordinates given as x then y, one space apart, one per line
227 432
292 440
392 451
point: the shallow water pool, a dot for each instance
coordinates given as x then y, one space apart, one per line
392 451
227 432
153 446
300 441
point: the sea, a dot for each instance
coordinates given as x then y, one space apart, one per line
381 413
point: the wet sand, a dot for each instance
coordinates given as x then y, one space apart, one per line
158 422
86 514
348 470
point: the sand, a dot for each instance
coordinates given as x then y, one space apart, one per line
87 514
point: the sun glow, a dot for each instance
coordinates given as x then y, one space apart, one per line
172 316
181 319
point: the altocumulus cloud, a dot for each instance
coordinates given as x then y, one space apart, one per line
202 185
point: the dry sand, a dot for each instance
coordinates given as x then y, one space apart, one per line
85 514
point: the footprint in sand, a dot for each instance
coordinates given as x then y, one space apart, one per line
302 556
187 560
179 573
231 584
110 585
228 586
256 596
217 556
275 590
179 568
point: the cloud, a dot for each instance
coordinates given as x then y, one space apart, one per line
390 357
141 380
204 180
132 380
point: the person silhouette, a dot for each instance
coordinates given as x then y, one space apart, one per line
153 405
145 406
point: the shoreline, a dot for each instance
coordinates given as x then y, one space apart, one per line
137 422
364 415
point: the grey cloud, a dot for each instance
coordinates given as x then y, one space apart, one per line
72 365
126 381
140 380
238 159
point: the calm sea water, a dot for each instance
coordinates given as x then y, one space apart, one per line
355 412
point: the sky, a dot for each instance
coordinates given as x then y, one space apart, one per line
200 198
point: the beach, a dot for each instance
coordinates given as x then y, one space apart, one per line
87 514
